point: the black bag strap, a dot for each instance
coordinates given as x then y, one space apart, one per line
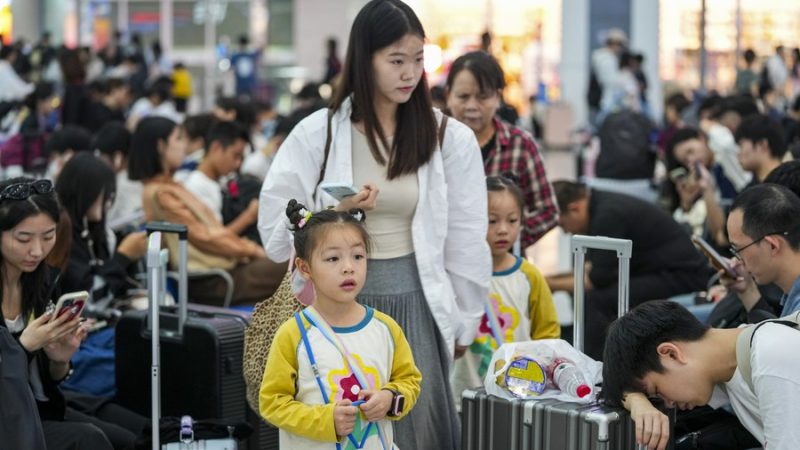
442 129
328 139
325 153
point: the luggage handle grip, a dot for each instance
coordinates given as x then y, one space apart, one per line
166 227
581 243
182 231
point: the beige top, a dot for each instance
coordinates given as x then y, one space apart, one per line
389 224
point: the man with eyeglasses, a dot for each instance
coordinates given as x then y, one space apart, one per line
764 232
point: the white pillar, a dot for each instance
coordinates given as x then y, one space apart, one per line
25 18
314 22
644 39
165 26
574 68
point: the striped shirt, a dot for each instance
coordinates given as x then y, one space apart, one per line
515 151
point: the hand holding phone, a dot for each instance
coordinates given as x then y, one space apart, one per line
338 190
71 303
716 259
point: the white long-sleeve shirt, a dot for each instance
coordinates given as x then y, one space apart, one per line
448 229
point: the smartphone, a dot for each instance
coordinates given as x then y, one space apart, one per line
697 174
338 190
678 174
68 301
715 258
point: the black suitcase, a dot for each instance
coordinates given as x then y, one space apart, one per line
201 359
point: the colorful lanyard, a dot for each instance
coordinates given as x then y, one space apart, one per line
315 319
494 324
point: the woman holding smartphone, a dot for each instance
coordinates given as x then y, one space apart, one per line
29 216
422 183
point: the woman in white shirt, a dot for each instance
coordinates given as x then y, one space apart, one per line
430 267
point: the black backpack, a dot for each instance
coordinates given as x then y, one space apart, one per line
235 200
626 151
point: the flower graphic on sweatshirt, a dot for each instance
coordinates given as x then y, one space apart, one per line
507 320
345 385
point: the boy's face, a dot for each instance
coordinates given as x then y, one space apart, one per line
230 158
683 384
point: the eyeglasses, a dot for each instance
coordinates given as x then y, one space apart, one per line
737 252
21 191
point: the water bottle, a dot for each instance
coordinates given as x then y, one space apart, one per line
568 378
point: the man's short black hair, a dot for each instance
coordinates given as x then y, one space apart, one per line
633 339
678 101
70 137
770 209
787 175
227 103
759 127
743 105
112 138
198 125
568 192
226 133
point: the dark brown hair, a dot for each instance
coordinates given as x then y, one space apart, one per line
379 24
506 182
307 230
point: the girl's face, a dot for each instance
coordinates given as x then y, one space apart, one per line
338 264
471 106
174 150
397 70
505 217
26 245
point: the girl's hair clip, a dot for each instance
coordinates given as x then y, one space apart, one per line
358 214
306 217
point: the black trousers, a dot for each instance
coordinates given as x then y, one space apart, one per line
113 427
601 304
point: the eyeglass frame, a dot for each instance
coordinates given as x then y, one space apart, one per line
40 187
737 252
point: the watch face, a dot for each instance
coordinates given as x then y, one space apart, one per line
399 404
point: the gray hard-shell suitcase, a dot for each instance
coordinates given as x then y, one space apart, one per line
493 423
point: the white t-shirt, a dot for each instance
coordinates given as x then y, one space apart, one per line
772 413
127 206
726 151
207 190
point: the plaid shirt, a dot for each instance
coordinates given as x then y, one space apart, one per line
516 152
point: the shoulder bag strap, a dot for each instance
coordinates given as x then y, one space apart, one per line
325 153
442 129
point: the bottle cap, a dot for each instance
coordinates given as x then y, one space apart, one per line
583 390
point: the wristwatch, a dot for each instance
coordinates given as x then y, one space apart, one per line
398 403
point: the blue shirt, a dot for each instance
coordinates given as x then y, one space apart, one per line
791 300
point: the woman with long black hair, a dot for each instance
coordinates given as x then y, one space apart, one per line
421 179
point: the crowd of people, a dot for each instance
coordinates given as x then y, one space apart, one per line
421 273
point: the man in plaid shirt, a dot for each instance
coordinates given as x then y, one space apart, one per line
514 150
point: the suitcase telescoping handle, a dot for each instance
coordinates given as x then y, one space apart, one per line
156 271
183 294
579 246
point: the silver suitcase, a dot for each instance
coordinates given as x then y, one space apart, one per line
492 423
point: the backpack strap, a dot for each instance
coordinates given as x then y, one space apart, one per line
744 344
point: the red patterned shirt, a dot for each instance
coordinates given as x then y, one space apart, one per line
516 152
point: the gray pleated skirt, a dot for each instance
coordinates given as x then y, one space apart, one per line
393 287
